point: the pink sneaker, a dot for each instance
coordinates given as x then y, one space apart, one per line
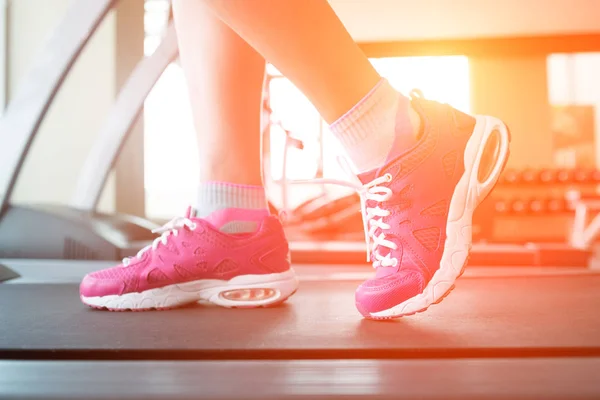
418 208
193 261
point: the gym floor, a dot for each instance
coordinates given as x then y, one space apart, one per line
520 324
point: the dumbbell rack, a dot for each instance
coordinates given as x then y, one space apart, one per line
533 205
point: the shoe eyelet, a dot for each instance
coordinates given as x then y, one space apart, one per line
388 177
416 94
193 226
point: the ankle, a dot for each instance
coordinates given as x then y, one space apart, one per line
368 131
226 169
231 207
237 220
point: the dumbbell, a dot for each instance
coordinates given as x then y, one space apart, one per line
510 176
583 175
547 176
536 206
529 176
555 205
501 207
564 176
518 206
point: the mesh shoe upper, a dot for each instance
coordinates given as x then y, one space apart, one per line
194 254
423 178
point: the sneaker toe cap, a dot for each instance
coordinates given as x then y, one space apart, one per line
93 286
379 294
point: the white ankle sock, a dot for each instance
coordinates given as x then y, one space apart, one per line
231 207
367 132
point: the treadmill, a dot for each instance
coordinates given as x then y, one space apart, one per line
76 230
503 334
506 333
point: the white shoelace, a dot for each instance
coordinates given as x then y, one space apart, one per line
170 228
372 217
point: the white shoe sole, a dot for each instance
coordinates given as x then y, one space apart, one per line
244 291
469 192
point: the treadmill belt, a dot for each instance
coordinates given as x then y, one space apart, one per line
461 379
484 317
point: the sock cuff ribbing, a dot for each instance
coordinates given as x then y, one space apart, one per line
213 196
366 116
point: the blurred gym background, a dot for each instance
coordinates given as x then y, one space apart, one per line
533 63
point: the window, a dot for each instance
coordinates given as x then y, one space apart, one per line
170 156
3 55
156 17
172 163
574 94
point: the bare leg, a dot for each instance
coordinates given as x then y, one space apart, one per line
308 43
225 79
417 190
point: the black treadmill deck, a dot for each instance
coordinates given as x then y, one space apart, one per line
462 379
499 335
543 316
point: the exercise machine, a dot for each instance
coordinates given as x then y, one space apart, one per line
77 230
505 332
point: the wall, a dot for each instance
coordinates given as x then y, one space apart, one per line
3 54
573 79
515 90
388 20
129 50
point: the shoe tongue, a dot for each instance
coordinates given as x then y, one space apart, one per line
220 218
382 272
404 140
368 176
398 147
